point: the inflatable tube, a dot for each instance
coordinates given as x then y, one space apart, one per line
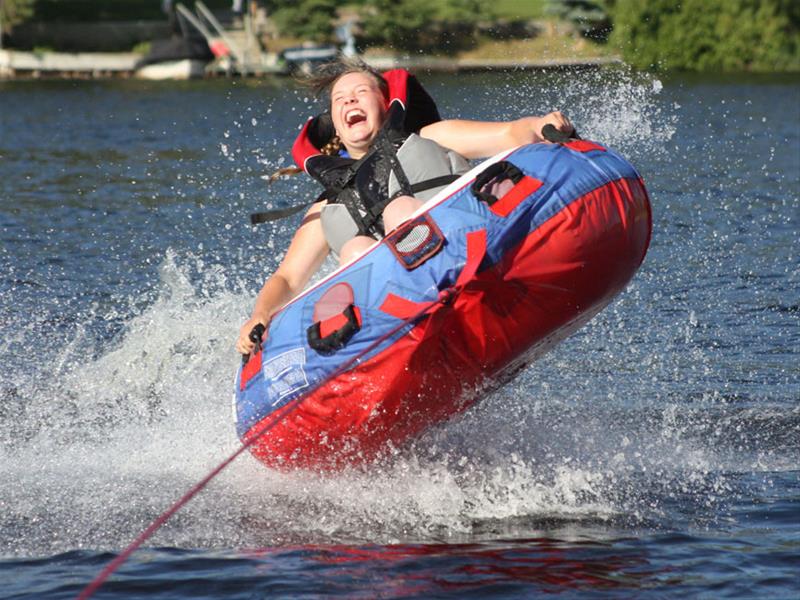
494 271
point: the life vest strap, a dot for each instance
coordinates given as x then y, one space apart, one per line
433 182
277 214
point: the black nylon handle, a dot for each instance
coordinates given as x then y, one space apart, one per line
255 336
551 134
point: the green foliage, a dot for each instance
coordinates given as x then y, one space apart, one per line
518 9
13 12
423 25
589 16
109 10
307 19
142 48
709 35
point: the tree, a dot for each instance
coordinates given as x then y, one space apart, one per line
589 16
307 19
422 25
709 35
14 12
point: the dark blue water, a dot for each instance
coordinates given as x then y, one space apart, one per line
654 454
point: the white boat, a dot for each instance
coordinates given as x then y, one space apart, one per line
186 68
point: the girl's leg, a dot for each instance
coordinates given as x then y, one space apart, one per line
352 248
398 210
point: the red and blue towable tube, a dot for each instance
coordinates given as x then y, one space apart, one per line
502 265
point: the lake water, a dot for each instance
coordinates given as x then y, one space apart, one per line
654 454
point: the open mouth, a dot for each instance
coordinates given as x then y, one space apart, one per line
354 117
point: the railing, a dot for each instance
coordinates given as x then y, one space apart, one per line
219 42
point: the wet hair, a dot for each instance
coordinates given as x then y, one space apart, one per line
331 148
324 77
321 82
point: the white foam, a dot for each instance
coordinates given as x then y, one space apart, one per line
110 433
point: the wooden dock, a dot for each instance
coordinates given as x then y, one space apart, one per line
91 65
80 65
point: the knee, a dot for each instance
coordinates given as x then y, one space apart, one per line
398 210
352 248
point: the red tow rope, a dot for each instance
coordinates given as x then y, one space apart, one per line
476 250
90 589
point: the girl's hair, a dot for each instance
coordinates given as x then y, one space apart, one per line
323 78
321 82
331 148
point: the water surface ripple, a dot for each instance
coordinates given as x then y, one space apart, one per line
654 454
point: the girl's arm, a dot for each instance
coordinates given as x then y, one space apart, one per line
305 255
481 139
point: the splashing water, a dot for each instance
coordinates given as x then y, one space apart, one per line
626 423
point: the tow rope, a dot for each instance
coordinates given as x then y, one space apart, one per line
476 250
406 310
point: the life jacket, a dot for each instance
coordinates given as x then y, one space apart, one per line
399 162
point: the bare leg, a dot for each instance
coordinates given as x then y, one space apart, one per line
352 248
398 210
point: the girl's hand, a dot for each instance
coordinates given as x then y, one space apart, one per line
244 345
558 120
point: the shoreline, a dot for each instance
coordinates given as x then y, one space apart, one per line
23 65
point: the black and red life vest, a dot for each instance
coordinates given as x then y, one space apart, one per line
363 185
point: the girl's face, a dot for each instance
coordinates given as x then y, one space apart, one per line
358 108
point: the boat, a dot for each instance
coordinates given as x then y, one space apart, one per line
179 57
487 276
182 69
303 58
